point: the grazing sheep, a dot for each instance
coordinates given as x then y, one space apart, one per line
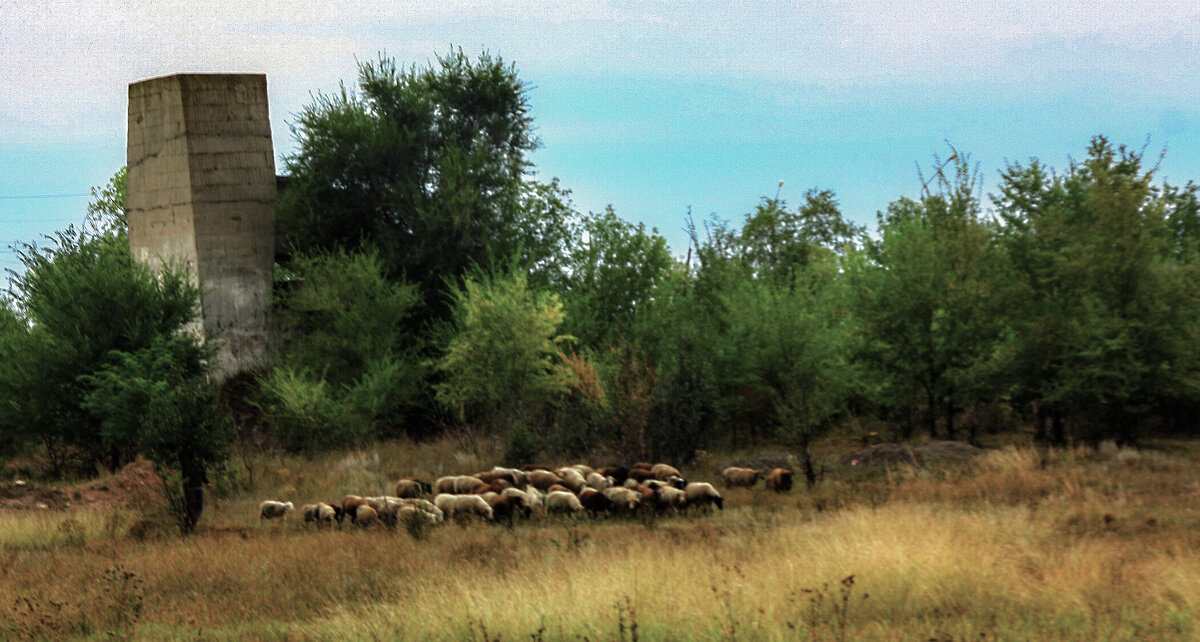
273 510
464 506
702 494
664 472
618 473
743 477
631 484
543 479
533 498
520 477
648 496
626 500
309 511
365 516
583 469
427 507
350 504
493 476
671 498
505 507
596 502
596 481
484 487
641 474
780 480
563 502
559 488
455 484
409 487
572 479
327 514
529 468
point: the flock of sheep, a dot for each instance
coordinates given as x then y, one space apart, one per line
503 494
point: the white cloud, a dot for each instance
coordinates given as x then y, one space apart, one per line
66 64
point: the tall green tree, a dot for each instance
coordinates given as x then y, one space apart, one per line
610 277
931 299
430 167
1105 336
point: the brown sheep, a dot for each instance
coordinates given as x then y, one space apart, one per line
780 480
559 488
350 504
543 479
663 472
409 487
618 473
491 477
641 474
596 502
365 516
743 477
455 484
505 507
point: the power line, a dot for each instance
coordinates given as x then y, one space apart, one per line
18 197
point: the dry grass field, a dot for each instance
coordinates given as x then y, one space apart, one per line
1008 545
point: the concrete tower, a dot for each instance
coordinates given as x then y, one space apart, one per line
201 190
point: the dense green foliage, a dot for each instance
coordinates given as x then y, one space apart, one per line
429 166
349 371
431 283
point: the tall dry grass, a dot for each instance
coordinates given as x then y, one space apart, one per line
1012 545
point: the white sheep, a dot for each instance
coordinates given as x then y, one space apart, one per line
463 505
703 494
563 502
626 500
271 509
671 497
596 481
572 479
326 514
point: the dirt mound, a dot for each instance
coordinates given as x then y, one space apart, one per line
903 454
883 454
134 485
947 450
22 495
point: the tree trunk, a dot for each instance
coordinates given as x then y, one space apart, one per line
810 472
932 412
1058 435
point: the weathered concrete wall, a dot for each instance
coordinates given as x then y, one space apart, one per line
200 193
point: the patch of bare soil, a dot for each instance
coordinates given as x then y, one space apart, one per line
134 485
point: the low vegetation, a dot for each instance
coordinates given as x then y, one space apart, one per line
1010 544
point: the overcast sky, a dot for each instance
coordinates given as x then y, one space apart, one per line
653 107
